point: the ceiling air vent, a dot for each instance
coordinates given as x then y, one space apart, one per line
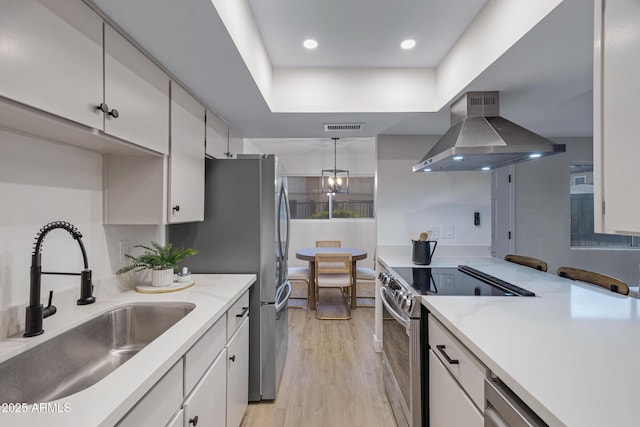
338 127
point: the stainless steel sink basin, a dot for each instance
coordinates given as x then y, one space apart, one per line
82 356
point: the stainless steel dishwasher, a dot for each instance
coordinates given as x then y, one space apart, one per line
505 409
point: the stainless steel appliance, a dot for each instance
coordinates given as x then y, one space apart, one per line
505 409
246 230
480 139
404 329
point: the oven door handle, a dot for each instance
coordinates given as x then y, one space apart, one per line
391 308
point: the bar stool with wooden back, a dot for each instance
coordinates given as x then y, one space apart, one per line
328 244
528 261
608 282
333 270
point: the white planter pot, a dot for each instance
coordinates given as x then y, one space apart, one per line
162 277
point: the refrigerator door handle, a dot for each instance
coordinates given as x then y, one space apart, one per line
288 212
283 213
280 300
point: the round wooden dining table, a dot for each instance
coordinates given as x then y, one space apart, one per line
309 254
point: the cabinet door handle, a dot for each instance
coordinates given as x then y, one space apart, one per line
451 361
103 107
114 113
194 421
176 208
244 311
233 358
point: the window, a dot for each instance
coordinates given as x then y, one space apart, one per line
577 180
581 194
306 201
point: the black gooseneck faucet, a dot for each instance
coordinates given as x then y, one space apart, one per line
35 312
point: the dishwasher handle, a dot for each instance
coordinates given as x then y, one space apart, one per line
505 409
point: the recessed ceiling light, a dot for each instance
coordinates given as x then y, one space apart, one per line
428 170
458 158
486 168
535 155
310 43
408 44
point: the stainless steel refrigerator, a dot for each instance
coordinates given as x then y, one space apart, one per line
246 230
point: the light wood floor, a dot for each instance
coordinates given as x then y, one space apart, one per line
332 376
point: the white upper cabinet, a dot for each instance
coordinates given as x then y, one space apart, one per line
217 137
235 143
55 58
186 160
136 92
51 58
616 127
161 190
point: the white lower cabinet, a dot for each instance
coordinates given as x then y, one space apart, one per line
456 380
213 375
177 420
448 403
238 374
206 405
161 402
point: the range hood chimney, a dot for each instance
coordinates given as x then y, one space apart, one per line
479 139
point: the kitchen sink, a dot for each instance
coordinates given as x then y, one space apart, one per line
82 356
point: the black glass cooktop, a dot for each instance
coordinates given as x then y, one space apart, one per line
462 280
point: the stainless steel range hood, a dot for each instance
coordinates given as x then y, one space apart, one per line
479 139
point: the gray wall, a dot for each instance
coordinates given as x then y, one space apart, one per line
542 226
409 202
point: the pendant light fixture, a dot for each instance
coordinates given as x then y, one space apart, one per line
335 181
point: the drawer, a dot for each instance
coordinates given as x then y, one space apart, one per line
158 406
202 353
468 370
236 314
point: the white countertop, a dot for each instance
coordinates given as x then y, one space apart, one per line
107 401
571 353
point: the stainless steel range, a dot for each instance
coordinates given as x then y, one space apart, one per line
404 329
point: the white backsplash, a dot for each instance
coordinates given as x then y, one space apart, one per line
41 182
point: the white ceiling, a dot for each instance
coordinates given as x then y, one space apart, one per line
544 80
361 33
315 146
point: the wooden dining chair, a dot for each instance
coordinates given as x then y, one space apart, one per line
528 261
333 271
328 244
608 282
299 278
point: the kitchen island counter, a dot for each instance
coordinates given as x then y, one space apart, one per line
107 401
570 353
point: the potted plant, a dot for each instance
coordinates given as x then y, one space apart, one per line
161 260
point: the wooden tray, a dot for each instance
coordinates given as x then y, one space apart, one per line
176 286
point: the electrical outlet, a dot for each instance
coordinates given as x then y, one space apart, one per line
125 249
446 231
434 232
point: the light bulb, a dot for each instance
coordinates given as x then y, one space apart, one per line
408 44
310 44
